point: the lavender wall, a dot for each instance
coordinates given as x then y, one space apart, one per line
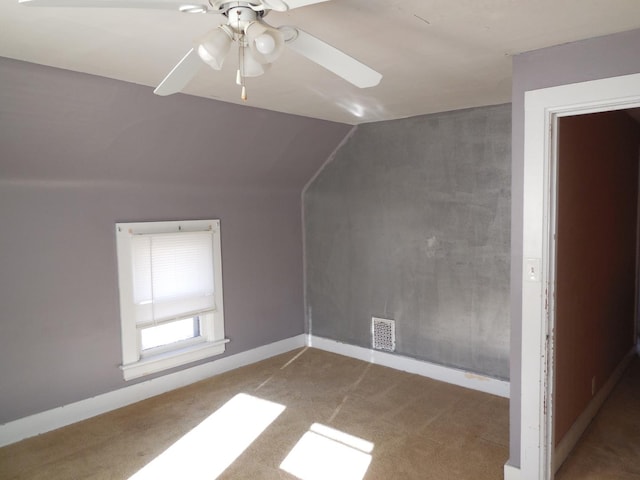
79 153
591 59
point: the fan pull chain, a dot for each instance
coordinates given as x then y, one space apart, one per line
240 79
240 82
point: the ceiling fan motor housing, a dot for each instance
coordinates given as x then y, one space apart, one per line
223 6
240 17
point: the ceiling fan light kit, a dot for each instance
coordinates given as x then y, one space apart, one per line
259 44
266 43
249 66
214 46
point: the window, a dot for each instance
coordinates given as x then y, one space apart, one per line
170 279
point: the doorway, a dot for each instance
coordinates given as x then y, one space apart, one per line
543 109
595 242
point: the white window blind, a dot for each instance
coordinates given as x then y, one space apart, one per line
173 276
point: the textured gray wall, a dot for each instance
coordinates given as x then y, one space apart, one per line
410 221
591 59
79 153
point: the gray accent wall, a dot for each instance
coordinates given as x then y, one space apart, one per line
411 222
592 59
79 153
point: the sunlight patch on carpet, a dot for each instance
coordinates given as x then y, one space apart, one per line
209 448
324 452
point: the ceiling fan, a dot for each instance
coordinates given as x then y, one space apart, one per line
259 44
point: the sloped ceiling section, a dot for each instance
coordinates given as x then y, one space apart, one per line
435 55
87 128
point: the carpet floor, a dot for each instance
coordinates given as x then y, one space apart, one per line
306 414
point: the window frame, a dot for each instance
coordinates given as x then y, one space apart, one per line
151 351
211 341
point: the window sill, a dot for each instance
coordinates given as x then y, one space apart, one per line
175 358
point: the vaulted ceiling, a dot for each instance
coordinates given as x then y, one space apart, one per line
434 55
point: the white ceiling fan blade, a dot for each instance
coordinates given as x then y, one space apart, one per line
330 58
180 75
151 4
284 5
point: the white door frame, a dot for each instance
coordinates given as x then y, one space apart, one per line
542 109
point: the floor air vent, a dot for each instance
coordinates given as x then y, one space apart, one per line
383 334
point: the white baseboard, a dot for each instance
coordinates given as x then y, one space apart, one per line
580 425
512 473
59 417
411 365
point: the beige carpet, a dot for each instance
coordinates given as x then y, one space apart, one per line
610 447
398 426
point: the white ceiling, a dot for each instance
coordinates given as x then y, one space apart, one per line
435 55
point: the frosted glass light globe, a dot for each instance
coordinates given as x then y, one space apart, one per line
265 43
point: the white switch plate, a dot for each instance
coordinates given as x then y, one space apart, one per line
532 269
